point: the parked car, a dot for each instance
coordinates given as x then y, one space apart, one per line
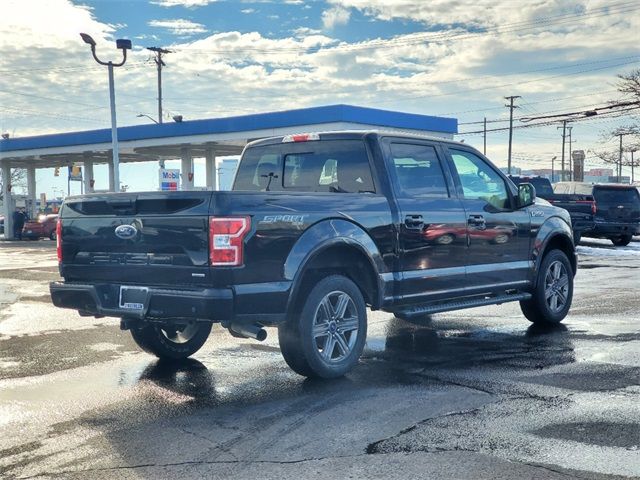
617 209
581 207
43 227
316 228
1 223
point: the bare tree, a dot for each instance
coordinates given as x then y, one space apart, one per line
628 86
18 179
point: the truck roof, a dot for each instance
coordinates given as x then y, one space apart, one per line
352 135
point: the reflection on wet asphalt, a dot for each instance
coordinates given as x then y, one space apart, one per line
479 393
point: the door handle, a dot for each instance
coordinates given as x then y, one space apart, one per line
477 221
414 222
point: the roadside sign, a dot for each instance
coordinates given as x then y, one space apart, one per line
75 173
169 179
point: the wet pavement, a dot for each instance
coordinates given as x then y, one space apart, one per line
473 394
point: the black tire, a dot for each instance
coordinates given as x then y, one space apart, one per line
541 309
172 342
52 235
304 350
621 241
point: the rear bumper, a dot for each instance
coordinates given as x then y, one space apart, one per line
605 229
103 299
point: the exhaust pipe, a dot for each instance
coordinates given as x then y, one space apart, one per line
249 331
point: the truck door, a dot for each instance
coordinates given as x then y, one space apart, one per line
499 234
432 230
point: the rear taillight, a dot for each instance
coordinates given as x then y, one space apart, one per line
226 240
59 239
594 208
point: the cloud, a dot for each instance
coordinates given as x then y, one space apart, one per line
183 3
459 70
247 11
335 16
179 26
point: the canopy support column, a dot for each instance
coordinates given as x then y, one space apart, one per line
186 169
210 165
89 183
7 205
31 192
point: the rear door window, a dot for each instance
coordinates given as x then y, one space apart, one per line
339 166
418 170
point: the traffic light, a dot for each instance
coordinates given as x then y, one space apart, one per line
56 172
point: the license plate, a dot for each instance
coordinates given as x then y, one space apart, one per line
133 298
29 231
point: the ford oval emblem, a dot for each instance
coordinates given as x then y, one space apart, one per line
126 232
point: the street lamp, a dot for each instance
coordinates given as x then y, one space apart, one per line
140 115
124 45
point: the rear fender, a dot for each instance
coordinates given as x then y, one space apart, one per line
325 235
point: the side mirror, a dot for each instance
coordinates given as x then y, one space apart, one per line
526 195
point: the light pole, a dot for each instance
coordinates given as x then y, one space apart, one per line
553 171
140 115
123 45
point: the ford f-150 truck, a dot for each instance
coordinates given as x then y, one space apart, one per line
317 228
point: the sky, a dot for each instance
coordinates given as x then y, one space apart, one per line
453 58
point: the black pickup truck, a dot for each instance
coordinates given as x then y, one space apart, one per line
616 209
316 228
581 206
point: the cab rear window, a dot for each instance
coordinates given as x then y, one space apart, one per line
616 195
339 166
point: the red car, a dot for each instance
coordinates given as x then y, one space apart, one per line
44 227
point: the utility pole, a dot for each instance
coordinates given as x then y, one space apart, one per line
619 169
633 150
485 136
553 171
511 106
570 155
159 51
564 136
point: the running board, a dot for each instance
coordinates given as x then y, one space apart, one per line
459 305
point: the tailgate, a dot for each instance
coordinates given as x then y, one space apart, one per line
617 204
158 238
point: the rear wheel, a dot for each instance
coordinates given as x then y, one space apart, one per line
172 341
552 296
327 336
621 241
52 235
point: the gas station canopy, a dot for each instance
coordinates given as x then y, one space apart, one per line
187 140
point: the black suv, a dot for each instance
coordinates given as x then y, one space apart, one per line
316 228
617 209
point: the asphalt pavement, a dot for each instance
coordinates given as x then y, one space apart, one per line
476 394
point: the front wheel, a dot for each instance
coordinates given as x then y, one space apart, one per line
621 241
172 341
327 336
552 296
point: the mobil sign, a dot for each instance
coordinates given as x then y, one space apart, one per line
169 179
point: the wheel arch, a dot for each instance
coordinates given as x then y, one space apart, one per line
554 234
330 247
